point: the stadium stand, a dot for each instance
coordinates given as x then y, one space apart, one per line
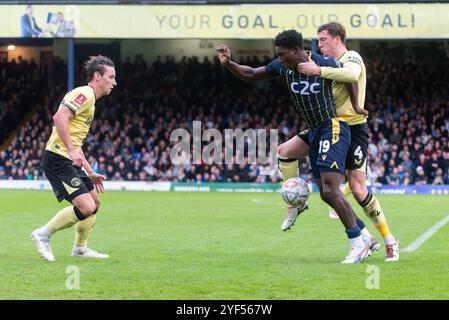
130 137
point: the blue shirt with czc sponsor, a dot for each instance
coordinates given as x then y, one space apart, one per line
312 95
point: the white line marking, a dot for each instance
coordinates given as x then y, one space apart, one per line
266 202
429 233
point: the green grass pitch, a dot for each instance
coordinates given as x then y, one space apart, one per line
219 246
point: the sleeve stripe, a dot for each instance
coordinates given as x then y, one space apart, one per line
68 105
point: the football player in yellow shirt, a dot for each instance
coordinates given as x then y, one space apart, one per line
331 42
66 167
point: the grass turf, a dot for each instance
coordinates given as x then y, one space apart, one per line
218 246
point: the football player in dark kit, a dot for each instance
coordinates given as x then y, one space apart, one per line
329 135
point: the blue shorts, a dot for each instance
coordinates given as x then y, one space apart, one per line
329 144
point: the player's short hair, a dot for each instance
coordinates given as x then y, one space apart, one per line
288 39
96 64
335 29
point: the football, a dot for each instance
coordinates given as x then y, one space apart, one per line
295 192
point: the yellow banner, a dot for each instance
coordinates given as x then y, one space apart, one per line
373 21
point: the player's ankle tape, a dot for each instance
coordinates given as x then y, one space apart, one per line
286 159
367 200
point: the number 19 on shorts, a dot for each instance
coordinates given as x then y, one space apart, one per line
324 146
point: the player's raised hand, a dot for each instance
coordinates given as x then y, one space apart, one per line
76 158
309 68
224 54
97 180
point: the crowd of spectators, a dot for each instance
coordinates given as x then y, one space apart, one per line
130 136
409 121
20 85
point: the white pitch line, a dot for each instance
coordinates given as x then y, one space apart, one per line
429 233
265 202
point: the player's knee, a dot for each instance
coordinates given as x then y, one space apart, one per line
88 209
328 193
323 197
324 194
97 205
283 150
96 209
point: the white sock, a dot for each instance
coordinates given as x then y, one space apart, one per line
357 242
80 248
45 232
366 235
389 240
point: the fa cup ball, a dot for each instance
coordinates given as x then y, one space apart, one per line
295 192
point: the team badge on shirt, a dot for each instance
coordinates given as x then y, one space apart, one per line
80 99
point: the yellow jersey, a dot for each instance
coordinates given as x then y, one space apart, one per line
81 101
353 70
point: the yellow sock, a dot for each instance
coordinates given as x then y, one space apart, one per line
288 168
64 219
383 230
373 211
83 230
347 189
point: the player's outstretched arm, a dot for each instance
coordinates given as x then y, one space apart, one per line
245 73
349 72
62 119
